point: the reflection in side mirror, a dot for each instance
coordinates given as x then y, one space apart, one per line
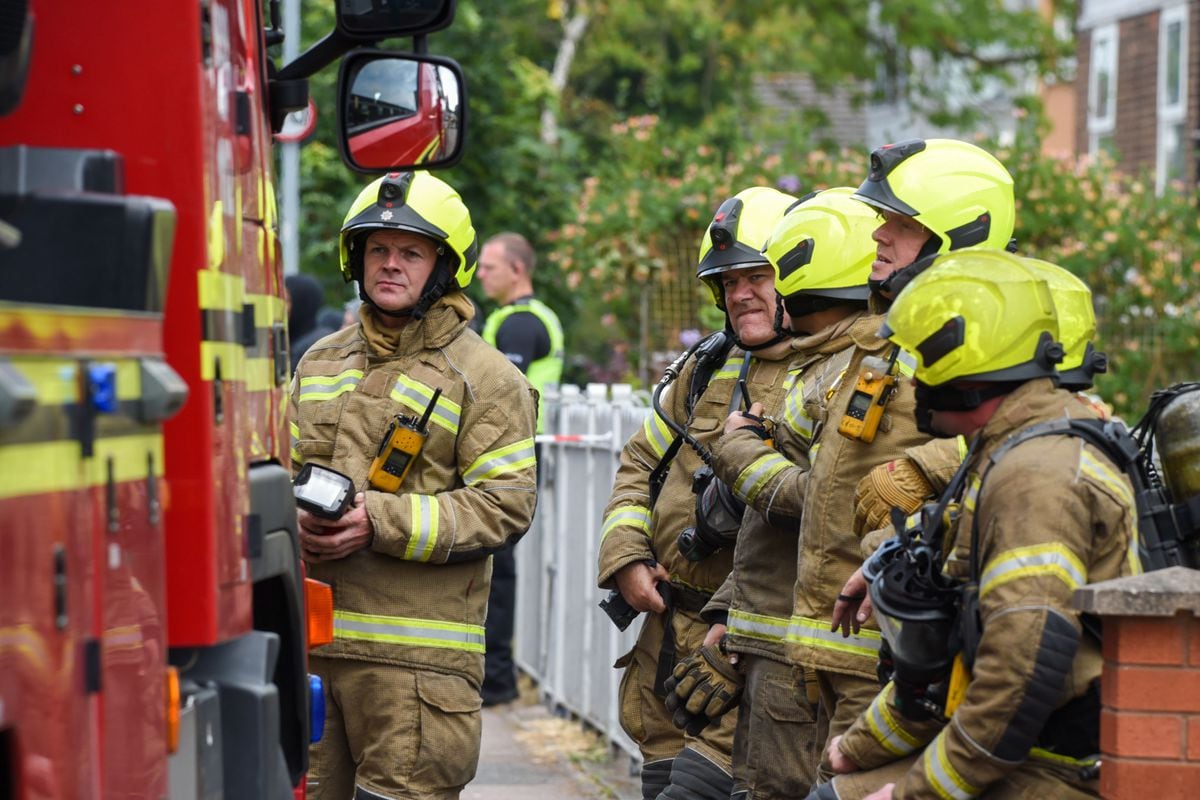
398 111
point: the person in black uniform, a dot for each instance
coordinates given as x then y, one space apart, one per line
529 334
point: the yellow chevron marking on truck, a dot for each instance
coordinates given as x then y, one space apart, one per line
61 466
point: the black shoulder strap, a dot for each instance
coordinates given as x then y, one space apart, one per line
1158 534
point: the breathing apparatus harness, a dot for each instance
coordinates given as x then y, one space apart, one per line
930 623
718 512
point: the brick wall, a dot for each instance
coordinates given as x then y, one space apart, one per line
1136 135
1150 725
1150 688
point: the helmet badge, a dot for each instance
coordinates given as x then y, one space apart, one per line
386 215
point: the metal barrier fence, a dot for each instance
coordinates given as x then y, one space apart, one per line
563 640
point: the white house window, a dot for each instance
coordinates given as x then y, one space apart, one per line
1102 89
1172 94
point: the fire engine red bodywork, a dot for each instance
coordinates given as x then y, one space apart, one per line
177 90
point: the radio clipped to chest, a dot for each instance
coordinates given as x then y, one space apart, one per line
875 387
402 442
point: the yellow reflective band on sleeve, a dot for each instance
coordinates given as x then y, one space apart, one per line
972 495
322 387
906 364
942 776
795 415
511 458
1116 483
962 448
424 528
294 430
61 466
408 631
816 633
752 479
1098 470
1054 559
636 517
757 626
658 435
26 643
884 727
416 395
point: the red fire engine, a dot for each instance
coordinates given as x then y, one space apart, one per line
153 621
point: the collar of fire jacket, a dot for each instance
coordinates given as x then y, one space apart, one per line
440 325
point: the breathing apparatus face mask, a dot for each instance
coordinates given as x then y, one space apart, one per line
718 518
917 611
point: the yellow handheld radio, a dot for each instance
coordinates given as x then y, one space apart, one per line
876 383
401 444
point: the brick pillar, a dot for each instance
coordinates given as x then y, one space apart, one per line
1150 689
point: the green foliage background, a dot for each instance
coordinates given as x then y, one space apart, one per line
658 123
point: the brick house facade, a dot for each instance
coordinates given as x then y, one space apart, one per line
1138 84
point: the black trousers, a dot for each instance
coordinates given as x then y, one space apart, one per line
499 674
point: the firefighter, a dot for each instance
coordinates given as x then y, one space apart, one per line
908 482
932 196
821 253
640 552
1029 525
410 568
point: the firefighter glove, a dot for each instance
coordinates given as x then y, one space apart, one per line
898 484
702 688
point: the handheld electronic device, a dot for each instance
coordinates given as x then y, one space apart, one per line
323 491
876 384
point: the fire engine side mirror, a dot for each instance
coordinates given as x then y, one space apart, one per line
365 20
398 111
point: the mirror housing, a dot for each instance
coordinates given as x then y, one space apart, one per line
372 20
400 111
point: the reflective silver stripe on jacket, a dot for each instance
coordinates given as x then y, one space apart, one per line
408 631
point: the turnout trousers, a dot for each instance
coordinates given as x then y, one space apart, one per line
777 742
393 733
644 715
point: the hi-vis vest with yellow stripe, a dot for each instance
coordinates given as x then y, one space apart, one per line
547 369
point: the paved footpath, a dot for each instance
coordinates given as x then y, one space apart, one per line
528 753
